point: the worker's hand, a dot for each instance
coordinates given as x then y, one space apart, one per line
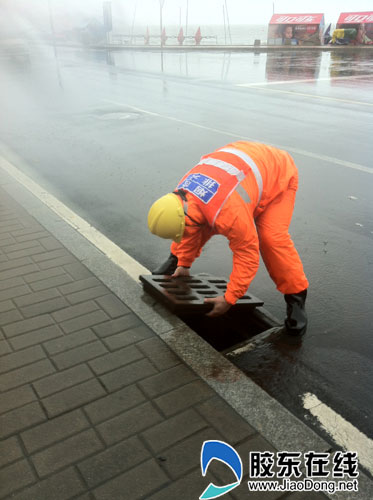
221 306
181 271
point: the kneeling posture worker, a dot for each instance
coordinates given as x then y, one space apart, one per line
246 192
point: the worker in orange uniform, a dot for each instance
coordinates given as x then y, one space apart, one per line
246 192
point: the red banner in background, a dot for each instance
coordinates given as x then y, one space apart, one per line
355 18
296 19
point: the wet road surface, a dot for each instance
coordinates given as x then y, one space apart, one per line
108 133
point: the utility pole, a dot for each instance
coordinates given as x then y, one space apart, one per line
186 20
229 28
52 27
133 24
161 3
225 29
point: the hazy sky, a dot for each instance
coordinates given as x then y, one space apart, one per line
200 12
240 11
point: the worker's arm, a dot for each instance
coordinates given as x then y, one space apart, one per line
244 243
197 232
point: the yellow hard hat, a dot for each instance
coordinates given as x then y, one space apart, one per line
166 217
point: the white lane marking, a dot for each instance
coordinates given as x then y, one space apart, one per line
305 80
110 249
327 98
343 433
330 159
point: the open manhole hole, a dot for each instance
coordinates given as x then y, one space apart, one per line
185 298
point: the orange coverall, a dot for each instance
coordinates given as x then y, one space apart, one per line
251 228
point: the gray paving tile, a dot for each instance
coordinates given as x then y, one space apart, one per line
50 243
54 430
167 380
60 261
187 488
128 423
85 321
48 306
53 254
62 380
10 317
20 419
10 451
84 295
114 404
28 325
184 457
127 486
221 416
79 355
70 341
4 346
78 271
19 271
174 429
65 453
114 360
160 354
112 306
117 325
72 398
32 338
80 285
5 284
16 398
44 275
184 397
25 374
64 485
128 337
14 292
6 305
113 461
15 477
127 375
29 252
51 282
18 359
19 246
75 311
35 297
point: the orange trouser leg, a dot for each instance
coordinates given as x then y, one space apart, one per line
277 248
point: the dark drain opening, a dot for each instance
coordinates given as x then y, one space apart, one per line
185 298
231 330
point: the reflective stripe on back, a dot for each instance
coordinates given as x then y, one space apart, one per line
250 162
227 167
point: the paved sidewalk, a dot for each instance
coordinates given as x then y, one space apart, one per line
94 404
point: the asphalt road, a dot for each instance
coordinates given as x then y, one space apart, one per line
110 133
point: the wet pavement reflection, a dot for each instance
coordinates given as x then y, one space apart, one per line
73 124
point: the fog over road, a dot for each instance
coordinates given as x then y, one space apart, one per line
108 133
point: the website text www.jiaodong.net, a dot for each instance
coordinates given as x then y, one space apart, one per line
330 487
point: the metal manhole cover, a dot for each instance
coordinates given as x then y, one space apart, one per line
186 295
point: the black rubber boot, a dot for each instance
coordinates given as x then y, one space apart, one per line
296 319
168 267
